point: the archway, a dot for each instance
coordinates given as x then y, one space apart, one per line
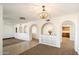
34 33
20 29
25 29
47 29
68 34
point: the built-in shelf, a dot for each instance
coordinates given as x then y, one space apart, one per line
66 31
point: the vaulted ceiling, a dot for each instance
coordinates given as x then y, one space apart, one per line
30 11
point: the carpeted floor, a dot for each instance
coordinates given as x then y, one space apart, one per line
41 49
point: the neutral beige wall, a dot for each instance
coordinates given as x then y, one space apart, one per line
1 23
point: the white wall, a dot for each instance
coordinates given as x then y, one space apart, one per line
39 24
77 35
57 25
1 26
22 35
73 18
8 30
47 28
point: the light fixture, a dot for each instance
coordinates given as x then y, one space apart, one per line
48 20
43 14
22 18
50 32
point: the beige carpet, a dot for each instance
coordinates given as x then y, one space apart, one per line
67 48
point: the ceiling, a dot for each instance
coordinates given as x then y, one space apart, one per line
31 11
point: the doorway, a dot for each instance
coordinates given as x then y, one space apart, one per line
66 32
34 34
68 35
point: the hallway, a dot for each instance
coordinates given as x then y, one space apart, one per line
67 46
67 43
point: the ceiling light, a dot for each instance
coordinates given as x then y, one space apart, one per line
43 14
22 18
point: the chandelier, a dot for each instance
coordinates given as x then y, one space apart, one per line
43 14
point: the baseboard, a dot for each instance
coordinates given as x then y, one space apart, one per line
77 51
9 38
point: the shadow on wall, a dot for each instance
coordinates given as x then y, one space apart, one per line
47 29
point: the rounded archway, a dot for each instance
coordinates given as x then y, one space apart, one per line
68 34
34 32
47 29
20 29
25 29
68 27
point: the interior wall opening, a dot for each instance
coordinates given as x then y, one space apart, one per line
66 32
68 35
34 33
47 29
